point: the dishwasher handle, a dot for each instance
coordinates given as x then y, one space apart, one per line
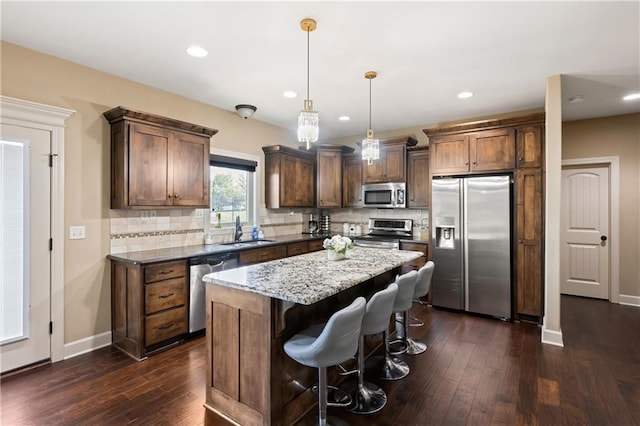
214 260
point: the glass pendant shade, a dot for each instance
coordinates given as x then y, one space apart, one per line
308 128
370 148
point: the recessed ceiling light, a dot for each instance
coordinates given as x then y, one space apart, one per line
632 96
290 94
197 51
344 118
575 99
465 95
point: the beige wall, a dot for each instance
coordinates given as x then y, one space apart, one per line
606 137
35 77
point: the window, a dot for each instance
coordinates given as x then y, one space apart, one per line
232 190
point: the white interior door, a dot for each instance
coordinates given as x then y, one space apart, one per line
25 257
584 228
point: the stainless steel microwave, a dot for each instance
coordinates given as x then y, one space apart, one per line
384 195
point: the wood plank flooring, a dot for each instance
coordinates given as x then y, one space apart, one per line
477 371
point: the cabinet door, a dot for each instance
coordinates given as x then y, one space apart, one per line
374 172
394 163
449 154
352 182
492 150
529 242
304 179
288 165
418 183
149 174
529 146
190 155
329 179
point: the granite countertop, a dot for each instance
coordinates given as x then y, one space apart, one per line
309 278
179 253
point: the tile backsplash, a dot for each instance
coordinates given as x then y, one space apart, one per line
136 230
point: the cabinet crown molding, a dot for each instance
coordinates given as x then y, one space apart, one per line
486 124
120 113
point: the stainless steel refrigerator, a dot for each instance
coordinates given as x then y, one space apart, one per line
471 238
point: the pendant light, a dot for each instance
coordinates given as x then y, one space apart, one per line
370 145
308 118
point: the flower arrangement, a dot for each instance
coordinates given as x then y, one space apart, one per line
338 243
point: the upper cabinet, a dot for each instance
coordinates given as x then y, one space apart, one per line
391 166
481 151
418 179
529 144
352 181
157 161
329 180
289 177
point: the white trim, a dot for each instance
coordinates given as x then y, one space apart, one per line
551 337
614 217
88 344
50 118
626 299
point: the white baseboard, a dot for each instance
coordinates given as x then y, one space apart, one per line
87 344
625 299
552 337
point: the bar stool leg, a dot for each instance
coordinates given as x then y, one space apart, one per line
392 368
413 347
323 419
367 398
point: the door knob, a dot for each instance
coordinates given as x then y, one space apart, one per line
603 238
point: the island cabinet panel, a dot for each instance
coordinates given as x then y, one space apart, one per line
149 306
352 181
157 161
289 177
418 178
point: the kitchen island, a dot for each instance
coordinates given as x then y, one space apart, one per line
253 310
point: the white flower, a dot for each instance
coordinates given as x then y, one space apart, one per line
338 243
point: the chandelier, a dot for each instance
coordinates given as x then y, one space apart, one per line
370 145
308 118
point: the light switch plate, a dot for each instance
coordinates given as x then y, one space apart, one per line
76 232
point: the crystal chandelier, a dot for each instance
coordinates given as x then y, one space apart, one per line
370 145
308 118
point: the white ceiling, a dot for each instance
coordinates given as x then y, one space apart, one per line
424 53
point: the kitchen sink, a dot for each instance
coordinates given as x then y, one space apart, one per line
248 243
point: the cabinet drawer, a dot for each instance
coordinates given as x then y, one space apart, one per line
248 257
294 249
315 245
164 271
164 295
165 325
414 247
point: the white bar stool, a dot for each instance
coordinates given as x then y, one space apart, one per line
328 344
423 283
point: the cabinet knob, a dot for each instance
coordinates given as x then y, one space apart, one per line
474 163
519 241
175 196
520 159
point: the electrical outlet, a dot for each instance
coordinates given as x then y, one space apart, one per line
76 232
199 213
152 213
144 214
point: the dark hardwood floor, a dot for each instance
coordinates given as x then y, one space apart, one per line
476 371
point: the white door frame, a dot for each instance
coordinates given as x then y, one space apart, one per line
614 217
49 118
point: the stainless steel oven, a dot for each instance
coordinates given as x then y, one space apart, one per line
385 233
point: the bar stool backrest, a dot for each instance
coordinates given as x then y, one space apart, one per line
406 286
379 307
424 279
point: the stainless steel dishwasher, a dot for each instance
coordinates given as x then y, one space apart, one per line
198 268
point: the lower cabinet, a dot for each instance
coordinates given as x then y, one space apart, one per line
148 306
418 263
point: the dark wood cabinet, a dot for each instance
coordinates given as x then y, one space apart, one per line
481 151
329 177
418 178
391 167
157 161
529 237
418 263
514 145
259 255
289 177
148 306
529 144
352 181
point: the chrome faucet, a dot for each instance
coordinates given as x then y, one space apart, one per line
238 233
